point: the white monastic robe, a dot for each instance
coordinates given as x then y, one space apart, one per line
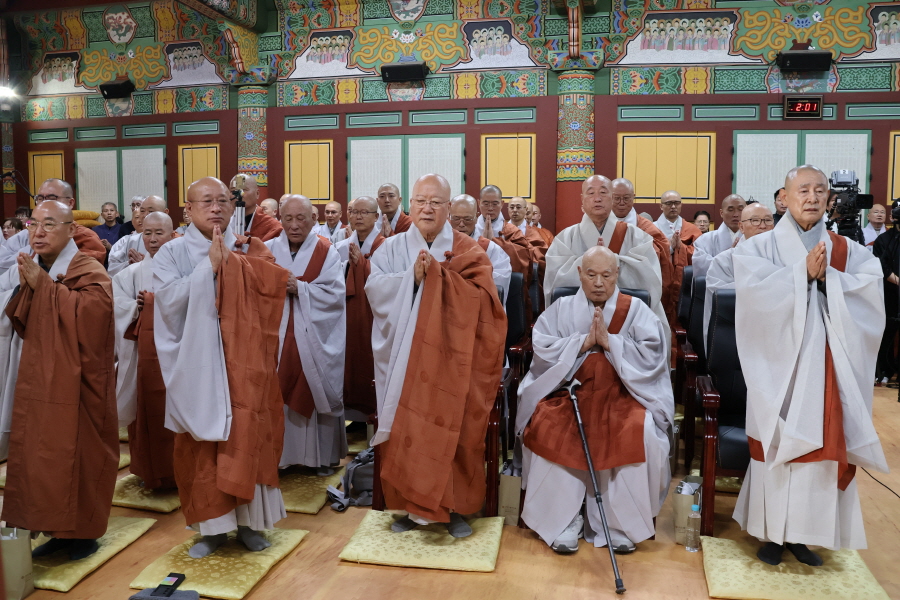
118 254
783 324
523 226
720 276
126 286
870 234
668 228
632 494
497 225
638 263
320 332
709 245
343 246
192 360
334 236
13 246
502 267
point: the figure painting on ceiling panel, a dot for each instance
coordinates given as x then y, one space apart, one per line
189 66
58 75
885 23
326 56
492 45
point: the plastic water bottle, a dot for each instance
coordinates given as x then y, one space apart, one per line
692 538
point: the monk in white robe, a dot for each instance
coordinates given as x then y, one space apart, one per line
756 219
130 249
437 338
708 246
311 342
216 316
140 390
463 214
616 347
800 293
638 262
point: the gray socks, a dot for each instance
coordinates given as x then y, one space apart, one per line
254 540
458 527
207 545
404 524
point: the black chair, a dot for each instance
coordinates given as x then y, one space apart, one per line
683 315
518 345
571 290
535 293
692 362
683 309
724 395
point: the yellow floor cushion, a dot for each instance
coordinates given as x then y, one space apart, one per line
123 434
728 485
124 459
733 571
428 547
130 494
304 491
228 573
356 442
57 572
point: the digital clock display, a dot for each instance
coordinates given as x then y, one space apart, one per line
803 107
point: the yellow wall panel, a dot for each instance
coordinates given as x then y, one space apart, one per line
308 169
508 161
660 161
43 166
894 166
196 161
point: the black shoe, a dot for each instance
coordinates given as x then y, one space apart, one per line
805 555
770 553
51 547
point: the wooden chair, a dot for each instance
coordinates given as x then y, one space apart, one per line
692 362
724 396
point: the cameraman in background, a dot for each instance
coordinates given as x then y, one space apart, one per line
887 249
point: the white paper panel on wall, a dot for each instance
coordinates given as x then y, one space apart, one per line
97 178
143 173
834 151
761 164
374 162
441 155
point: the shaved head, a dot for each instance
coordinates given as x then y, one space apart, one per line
48 244
430 205
362 215
333 214
463 213
269 206
622 197
516 208
158 230
599 274
596 199
297 219
760 213
732 207
153 204
62 190
209 205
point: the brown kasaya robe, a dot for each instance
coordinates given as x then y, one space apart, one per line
613 419
663 253
433 462
359 369
681 258
294 387
404 222
546 234
539 249
216 477
152 445
519 251
88 243
264 227
64 443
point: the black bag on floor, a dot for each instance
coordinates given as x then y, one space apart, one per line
356 484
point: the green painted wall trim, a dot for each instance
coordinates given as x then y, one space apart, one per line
48 135
505 115
747 112
384 119
301 122
651 113
95 133
133 131
438 117
873 111
195 127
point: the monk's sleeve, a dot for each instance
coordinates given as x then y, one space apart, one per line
118 257
11 248
89 244
719 277
642 263
556 358
702 259
189 346
562 266
126 311
639 356
502 272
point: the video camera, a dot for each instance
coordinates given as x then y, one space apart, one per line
847 204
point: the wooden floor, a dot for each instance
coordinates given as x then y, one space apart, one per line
526 568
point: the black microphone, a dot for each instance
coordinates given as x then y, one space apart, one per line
7 174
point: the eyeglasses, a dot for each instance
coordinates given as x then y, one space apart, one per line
672 204
354 213
622 199
47 226
462 219
41 197
755 221
434 204
207 204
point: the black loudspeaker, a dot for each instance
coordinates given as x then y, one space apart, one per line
804 60
405 71
117 89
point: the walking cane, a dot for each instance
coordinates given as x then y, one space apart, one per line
573 385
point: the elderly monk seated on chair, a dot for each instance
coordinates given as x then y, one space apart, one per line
60 405
312 342
437 338
616 347
140 391
217 310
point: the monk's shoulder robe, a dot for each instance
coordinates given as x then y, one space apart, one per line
681 258
708 245
546 234
809 418
217 341
438 360
64 447
664 256
359 369
263 226
404 222
638 263
118 254
140 389
88 243
502 269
